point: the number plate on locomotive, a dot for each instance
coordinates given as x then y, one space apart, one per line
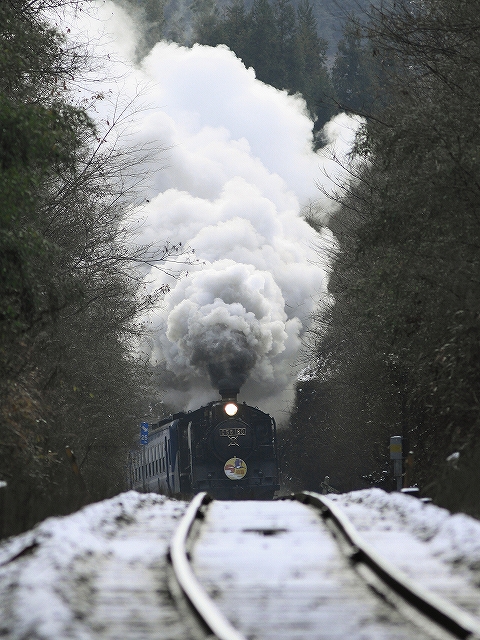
235 431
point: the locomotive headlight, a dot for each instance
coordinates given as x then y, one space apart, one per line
231 409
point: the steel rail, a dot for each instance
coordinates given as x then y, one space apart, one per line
441 612
203 606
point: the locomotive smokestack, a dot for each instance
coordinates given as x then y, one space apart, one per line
229 394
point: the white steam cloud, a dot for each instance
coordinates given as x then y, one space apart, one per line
239 170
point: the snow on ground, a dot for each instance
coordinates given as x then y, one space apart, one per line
439 550
101 572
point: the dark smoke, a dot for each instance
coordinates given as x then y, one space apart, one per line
225 355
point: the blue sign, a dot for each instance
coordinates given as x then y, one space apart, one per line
144 433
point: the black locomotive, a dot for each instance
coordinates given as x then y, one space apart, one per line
225 448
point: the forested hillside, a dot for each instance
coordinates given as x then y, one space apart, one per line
301 46
173 19
398 352
69 295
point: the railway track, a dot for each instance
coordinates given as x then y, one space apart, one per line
293 570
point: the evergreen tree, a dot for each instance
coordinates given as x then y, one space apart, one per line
40 135
151 16
352 73
313 77
262 42
285 22
235 28
206 22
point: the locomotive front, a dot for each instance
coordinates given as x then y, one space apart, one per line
232 450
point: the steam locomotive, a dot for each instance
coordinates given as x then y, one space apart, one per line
225 448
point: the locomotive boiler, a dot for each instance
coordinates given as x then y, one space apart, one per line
226 448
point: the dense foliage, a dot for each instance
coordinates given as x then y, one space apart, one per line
69 295
399 350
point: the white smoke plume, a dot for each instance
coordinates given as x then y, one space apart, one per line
238 172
